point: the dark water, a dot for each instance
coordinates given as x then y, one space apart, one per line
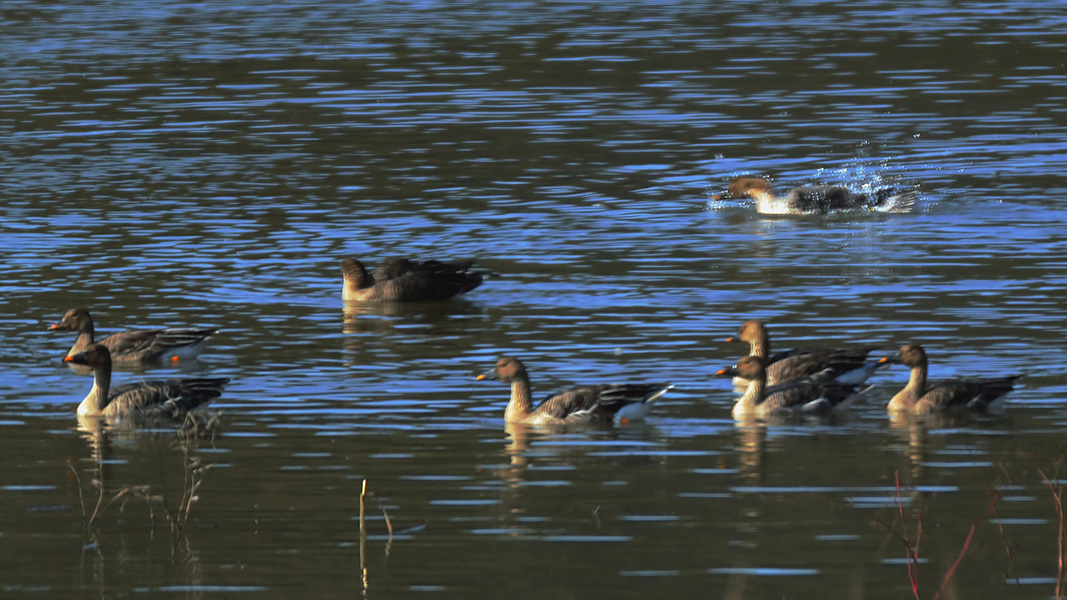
176 163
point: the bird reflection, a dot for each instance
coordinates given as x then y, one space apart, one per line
382 317
371 317
518 443
362 321
751 435
560 448
911 431
914 432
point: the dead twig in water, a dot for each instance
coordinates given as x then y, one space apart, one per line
389 527
363 537
192 478
81 498
913 548
1061 539
913 551
997 495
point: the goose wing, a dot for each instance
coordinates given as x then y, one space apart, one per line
966 393
178 337
794 364
790 395
131 345
429 280
170 398
568 402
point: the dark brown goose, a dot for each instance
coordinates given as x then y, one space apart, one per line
170 399
921 397
815 394
848 366
580 404
403 280
816 199
136 345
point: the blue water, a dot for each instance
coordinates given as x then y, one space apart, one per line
211 163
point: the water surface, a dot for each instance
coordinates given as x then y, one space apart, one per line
210 163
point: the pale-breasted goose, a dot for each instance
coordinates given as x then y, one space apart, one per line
136 345
815 394
170 399
403 280
849 366
816 199
922 397
580 404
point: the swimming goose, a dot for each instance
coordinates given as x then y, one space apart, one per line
816 394
136 345
580 404
848 366
403 280
920 397
171 398
816 199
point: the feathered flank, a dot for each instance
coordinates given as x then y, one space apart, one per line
846 365
580 404
921 397
404 280
813 394
135 345
166 399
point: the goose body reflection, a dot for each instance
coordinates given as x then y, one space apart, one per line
580 404
816 394
135 345
922 397
404 280
816 199
167 399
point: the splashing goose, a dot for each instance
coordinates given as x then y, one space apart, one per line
817 199
404 280
921 397
136 345
816 394
580 404
169 399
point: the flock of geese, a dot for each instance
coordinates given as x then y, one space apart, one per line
814 380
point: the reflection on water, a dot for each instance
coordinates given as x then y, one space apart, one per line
211 163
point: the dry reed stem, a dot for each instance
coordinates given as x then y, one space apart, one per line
78 480
388 523
992 510
1061 538
952 569
913 551
363 537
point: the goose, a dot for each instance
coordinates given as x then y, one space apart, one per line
816 199
136 345
815 394
404 280
170 399
921 397
580 404
848 366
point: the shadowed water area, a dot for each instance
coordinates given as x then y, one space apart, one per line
210 163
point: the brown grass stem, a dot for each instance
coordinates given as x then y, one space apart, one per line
1061 538
363 537
78 480
913 551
